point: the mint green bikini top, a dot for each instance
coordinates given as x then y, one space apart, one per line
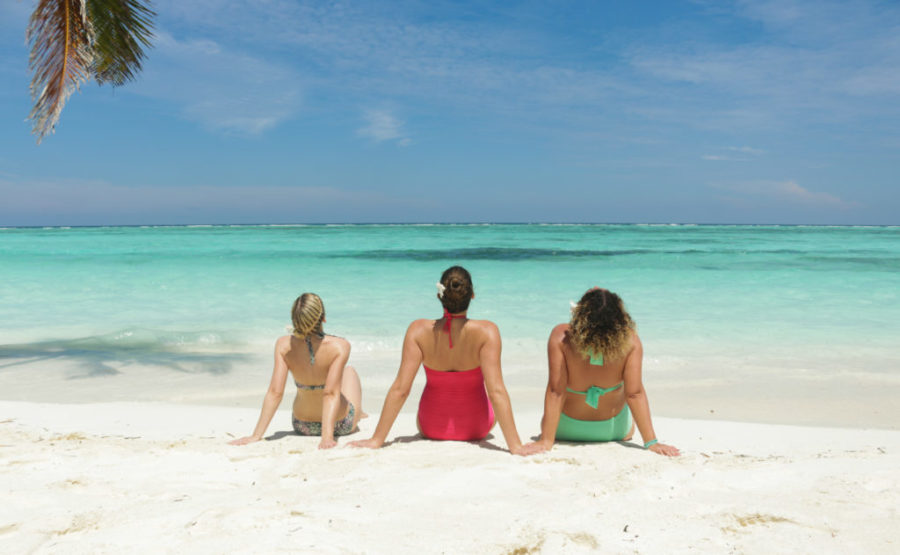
593 393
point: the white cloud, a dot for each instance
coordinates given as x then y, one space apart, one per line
790 189
744 154
217 87
359 52
813 62
802 63
382 125
786 191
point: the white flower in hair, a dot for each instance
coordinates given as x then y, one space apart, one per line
572 306
441 288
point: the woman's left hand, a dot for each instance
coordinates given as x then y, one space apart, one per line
663 449
244 440
327 443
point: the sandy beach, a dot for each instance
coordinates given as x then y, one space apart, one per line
152 477
242 203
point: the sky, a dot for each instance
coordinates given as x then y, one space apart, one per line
276 111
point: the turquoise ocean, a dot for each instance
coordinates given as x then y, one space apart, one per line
771 323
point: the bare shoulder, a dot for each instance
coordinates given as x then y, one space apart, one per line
283 344
636 345
486 328
338 343
558 333
421 325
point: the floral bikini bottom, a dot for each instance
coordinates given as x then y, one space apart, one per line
342 427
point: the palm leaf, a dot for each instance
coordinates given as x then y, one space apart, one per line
60 58
121 30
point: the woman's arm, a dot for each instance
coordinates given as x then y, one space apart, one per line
636 398
555 396
410 361
273 395
493 380
331 395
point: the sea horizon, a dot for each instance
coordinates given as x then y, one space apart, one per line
460 223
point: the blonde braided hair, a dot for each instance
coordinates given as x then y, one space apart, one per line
307 315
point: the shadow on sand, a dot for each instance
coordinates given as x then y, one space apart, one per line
104 356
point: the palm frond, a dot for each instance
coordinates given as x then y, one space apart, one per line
60 58
121 30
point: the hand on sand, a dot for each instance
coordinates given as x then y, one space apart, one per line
663 449
370 443
534 447
244 440
327 443
525 450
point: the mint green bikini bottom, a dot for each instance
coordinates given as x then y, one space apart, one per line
613 429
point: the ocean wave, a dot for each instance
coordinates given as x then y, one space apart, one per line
479 253
522 253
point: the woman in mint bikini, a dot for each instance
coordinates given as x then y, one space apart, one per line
328 391
595 377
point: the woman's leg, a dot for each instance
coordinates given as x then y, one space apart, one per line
352 390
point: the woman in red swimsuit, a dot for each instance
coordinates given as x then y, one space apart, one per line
462 366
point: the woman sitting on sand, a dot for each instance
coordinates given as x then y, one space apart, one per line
328 391
454 404
595 377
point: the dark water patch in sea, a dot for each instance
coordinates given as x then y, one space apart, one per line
884 264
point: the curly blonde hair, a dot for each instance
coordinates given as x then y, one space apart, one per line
307 314
601 325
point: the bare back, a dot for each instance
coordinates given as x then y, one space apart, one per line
468 336
327 351
581 375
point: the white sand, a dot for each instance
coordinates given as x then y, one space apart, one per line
154 477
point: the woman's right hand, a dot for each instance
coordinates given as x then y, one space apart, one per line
244 440
535 447
370 443
528 449
663 449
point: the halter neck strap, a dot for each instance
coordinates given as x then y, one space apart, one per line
448 319
312 354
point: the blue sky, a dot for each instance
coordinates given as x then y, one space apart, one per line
292 112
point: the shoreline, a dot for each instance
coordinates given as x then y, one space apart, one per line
843 402
152 476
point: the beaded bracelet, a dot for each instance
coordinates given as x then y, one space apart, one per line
651 442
